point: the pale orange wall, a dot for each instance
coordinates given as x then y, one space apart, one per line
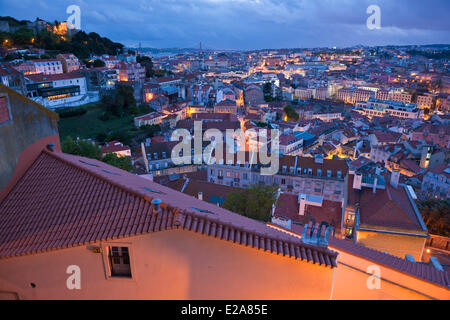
352 276
170 265
397 245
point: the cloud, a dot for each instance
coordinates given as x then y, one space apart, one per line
249 24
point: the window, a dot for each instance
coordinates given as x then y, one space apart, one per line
119 262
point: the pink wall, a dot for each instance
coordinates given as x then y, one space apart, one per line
181 264
171 265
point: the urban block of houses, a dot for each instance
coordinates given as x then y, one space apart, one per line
151 118
117 148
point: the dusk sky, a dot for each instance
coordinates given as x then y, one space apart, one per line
248 24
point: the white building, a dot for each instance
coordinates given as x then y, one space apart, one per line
48 66
380 108
60 90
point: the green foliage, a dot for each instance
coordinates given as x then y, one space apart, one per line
148 64
121 135
121 102
81 147
23 36
151 130
71 112
97 63
81 44
291 114
162 73
123 163
436 215
254 202
267 89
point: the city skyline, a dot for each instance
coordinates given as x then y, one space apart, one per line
246 25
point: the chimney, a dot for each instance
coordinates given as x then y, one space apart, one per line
325 231
318 158
157 203
302 205
395 177
357 180
200 195
378 171
436 264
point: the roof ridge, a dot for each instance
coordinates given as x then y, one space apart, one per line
399 264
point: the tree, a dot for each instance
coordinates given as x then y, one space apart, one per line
436 215
267 89
254 202
291 114
82 148
23 36
123 163
120 102
147 63
98 63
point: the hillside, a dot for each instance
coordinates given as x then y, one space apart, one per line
54 37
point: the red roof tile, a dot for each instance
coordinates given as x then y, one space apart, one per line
65 201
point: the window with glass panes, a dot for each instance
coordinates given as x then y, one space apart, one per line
119 259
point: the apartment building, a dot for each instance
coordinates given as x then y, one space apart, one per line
48 66
303 93
402 97
315 176
69 62
380 108
59 90
425 101
436 183
130 71
362 95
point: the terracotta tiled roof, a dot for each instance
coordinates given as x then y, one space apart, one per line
65 201
388 208
39 77
288 207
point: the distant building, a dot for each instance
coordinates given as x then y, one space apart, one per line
226 106
69 62
380 108
151 118
436 183
48 66
59 90
117 148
